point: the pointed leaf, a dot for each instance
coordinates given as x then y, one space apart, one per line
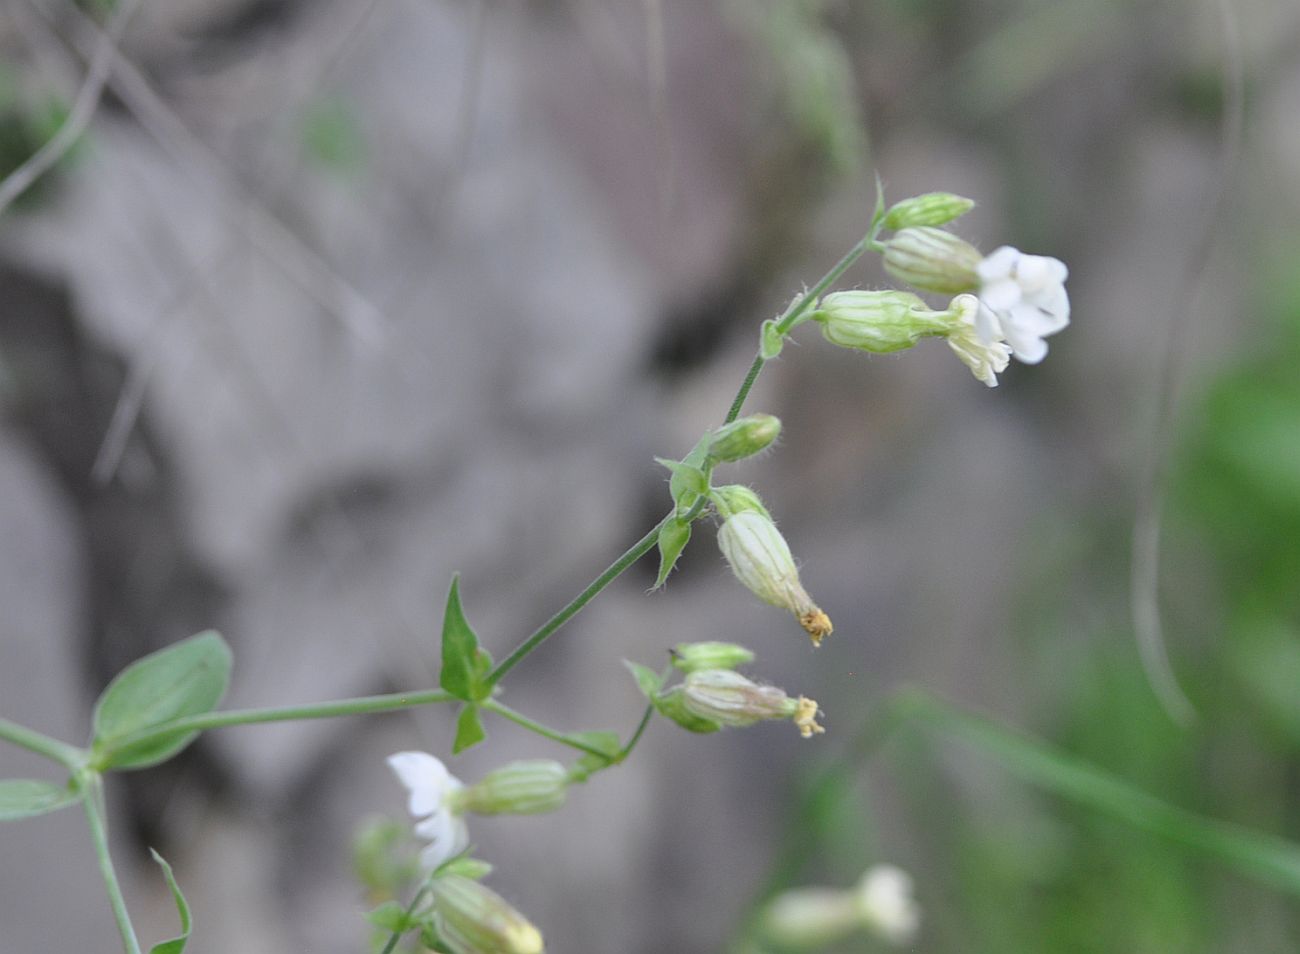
177 944
673 537
461 662
469 730
589 763
647 680
391 916
186 679
27 797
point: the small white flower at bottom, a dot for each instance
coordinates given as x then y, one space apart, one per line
886 904
431 787
1024 301
986 359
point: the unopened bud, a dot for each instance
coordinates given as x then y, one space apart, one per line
933 208
744 437
672 705
810 918
526 787
877 321
731 499
730 699
761 559
885 904
933 260
473 919
690 657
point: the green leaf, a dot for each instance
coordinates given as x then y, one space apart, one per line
186 679
673 537
464 664
469 730
391 916
27 797
589 763
647 680
177 944
772 340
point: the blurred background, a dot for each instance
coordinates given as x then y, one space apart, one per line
333 299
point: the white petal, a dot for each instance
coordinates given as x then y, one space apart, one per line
987 325
999 264
1000 294
452 838
425 777
1028 347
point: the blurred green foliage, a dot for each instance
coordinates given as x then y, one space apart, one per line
332 138
27 122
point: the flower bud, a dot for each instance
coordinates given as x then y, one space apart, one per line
526 787
933 260
760 558
886 905
672 705
809 918
731 499
933 208
730 699
877 321
690 657
473 919
744 437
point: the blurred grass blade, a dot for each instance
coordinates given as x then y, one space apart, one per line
177 944
1264 857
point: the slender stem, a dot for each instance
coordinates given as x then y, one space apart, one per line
636 736
795 312
92 800
61 752
320 710
612 572
410 909
518 718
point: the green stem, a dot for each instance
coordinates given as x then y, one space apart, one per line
518 718
612 572
636 736
410 909
795 311
92 800
364 705
66 755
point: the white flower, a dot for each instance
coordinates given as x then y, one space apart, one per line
431 787
986 359
1024 301
886 905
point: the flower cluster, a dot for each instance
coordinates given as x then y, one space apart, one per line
1006 303
466 917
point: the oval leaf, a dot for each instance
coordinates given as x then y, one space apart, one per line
186 679
27 797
